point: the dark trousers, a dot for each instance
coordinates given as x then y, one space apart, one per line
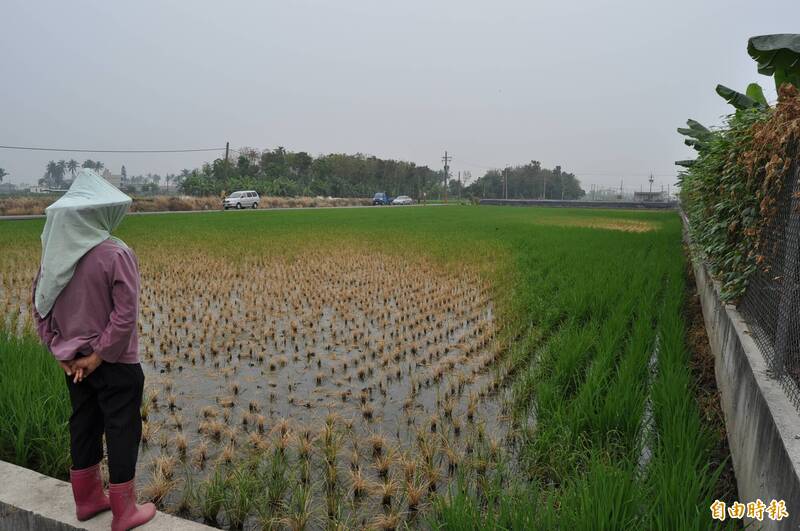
107 401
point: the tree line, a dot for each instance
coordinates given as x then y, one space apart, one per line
55 173
59 174
527 181
279 172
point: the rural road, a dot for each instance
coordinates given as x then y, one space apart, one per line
42 216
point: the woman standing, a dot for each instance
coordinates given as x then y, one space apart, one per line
86 307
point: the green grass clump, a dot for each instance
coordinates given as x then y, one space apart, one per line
35 407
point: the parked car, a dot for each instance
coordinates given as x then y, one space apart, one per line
402 200
381 198
241 199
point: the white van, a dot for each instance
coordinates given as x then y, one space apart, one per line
242 199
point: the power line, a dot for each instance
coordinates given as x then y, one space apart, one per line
200 150
31 148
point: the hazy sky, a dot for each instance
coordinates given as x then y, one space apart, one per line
595 86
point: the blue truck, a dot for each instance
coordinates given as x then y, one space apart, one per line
382 198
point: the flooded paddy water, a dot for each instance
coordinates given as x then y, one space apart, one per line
367 375
322 390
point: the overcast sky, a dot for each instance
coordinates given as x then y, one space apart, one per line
595 86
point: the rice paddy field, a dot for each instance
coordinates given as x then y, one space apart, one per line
432 367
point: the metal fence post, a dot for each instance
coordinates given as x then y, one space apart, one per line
787 334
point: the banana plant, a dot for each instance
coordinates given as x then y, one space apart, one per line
755 92
777 56
753 99
696 134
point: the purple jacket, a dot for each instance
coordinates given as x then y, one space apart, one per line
98 309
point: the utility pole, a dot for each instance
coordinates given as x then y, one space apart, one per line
459 185
446 159
227 148
505 183
651 184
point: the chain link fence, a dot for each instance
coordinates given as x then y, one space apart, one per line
772 301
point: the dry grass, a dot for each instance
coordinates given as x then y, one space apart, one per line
623 225
31 205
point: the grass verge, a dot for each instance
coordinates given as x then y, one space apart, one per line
35 406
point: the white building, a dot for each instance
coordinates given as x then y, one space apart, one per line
116 180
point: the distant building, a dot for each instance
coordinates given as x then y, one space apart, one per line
116 180
650 197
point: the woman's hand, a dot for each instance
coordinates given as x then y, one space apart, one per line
67 366
85 366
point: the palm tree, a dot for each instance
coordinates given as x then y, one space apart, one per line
50 173
72 166
62 171
98 166
3 173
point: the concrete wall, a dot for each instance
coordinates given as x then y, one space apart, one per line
30 501
762 424
580 204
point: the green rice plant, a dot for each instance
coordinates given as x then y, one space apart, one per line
240 494
34 429
209 496
606 497
679 475
299 509
274 484
516 506
188 497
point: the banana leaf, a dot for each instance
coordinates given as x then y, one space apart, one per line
697 134
737 99
695 125
778 56
755 92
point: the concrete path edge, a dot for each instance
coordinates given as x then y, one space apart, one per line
32 501
763 425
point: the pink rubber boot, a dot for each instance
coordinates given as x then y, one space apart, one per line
127 514
87 489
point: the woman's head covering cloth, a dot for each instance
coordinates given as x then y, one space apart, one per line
81 219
